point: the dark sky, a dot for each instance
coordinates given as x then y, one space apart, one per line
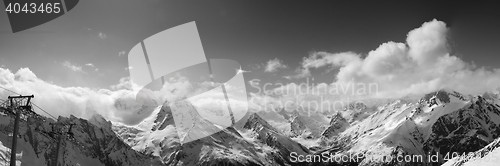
250 32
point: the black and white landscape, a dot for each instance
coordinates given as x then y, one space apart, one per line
259 84
438 123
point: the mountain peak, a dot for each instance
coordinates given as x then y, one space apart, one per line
255 121
100 122
442 95
491 96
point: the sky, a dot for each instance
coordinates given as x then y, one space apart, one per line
275 42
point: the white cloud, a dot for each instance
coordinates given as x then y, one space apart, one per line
73 67
421 65
116 104
322 59
92 66
102 35
274 64
256 66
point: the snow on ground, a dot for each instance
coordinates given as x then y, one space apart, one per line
282 127
491 159
395 122
148 122
314 122
380 125
4 155
25 153
307 142
249 135
431 114
146 139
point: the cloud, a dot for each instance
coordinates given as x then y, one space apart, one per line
256 66
274 64
421 65
92 66
117 104
102 35
321 59
73 67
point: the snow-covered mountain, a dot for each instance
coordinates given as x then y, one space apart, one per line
297 123
251 141
487 156
89 143
493 97
352 114
308 124
338 124
439 123
431 131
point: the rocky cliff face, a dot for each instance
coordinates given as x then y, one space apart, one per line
439 123
89 142
487 156
338 124
465 130
267 135
305 123
297 126
252 141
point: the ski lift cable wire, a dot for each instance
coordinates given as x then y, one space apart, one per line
32 102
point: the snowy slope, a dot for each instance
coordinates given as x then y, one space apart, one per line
266 134
487 156
439 122
253 141
297 123
357 112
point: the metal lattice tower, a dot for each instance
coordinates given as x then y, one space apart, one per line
19 106
57 130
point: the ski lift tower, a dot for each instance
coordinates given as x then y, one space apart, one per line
18 105
57 130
